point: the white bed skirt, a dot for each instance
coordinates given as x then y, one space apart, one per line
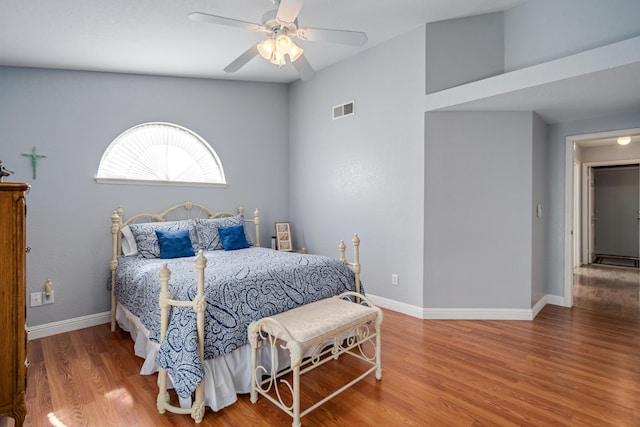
225 376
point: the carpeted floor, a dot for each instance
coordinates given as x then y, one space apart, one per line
607 289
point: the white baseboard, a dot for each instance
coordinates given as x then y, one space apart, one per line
400 307
467 313
55 328
477 313
547 299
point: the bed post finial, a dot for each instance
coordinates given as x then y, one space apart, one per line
355 265
356 252
342 247
356 260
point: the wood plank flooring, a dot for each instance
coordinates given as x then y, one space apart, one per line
568 367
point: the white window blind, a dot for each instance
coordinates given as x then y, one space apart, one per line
160 153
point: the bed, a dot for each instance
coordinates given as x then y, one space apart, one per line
187 282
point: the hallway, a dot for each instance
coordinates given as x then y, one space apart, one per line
605 289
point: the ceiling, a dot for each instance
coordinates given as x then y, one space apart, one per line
156 37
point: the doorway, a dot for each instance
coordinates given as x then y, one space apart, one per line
615 202
576 218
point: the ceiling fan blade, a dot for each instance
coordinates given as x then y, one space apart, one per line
215 19
303 68
288 10
242 60
353 38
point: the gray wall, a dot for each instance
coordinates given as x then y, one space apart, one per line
464 50
73 116
543 30
531 35
375 173
478 209
364 173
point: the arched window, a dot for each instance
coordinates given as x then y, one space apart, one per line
160 153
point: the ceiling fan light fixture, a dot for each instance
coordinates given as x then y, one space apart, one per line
295 52
277 58
283 43
275 50
266 48
624 140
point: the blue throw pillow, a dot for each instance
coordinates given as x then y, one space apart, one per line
174 243
233 237
146 239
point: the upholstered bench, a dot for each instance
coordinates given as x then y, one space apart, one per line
315 334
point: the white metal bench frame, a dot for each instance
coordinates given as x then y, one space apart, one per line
358 335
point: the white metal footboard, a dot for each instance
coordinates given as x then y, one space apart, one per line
199 305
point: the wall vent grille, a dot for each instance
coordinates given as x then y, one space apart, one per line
344 110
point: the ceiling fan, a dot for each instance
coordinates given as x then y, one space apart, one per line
280 25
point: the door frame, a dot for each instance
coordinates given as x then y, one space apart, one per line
573 231
587 203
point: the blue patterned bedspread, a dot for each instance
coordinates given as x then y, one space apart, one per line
240 286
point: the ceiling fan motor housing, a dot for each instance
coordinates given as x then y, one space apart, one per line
275 27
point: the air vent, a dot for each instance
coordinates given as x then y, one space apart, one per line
344 110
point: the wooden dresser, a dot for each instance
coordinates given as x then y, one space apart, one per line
13 339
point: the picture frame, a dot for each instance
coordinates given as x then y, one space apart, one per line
283 237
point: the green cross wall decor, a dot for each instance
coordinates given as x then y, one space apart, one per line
34 159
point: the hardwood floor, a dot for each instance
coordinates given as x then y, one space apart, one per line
568 367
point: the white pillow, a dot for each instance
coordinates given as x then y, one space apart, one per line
129 247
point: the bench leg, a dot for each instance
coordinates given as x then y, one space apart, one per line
378 349
296 396
253 339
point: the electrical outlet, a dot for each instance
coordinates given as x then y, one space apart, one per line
36 299
394 279
48 300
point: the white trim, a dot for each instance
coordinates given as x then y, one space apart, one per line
467 313
547 299
478 313
587 170
68 325
463 97
400 307
568 221
54 328
584 214
123 181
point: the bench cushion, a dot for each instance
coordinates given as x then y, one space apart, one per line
321 320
